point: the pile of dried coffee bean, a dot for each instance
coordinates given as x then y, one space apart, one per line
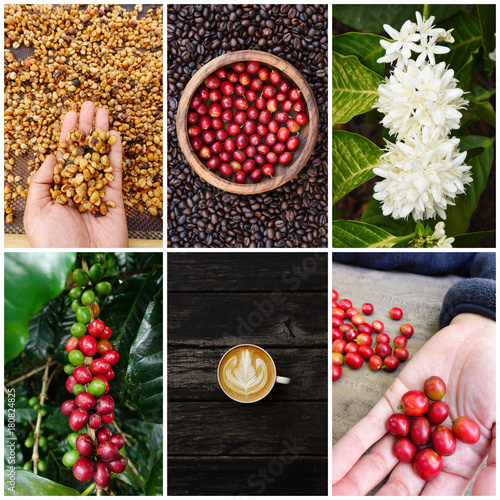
293 215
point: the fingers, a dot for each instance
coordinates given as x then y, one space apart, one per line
114 191
86 117
70 121
41 182
102 119
485 481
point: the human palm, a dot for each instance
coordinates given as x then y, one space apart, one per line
462 354
49 224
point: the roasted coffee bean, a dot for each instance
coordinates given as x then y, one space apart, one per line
291 216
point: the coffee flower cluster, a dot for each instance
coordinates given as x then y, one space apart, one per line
423 170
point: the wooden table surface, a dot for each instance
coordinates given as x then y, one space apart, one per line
277 446
420 298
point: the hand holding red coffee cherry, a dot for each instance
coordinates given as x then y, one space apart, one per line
95 454
245 120
462 355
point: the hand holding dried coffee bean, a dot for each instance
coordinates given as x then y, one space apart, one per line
67 194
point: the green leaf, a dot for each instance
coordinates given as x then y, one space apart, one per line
154 484
355 234
354 88
457 216
371 18
145 370
28 484
467 35
481 166
31 280
487 20
373 215
354 158
365 46
469 240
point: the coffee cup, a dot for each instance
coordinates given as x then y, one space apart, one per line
247 373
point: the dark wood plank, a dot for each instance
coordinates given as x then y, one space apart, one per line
272 475
229 319
192 374
209 271
246 429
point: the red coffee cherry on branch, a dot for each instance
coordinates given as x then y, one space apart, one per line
106 334
104 346
99 367
111 357
105 405
96 327
103 434
118 440
68 407
85 445
72 344
95 421
107 419
118 465
110 374
107 451
70 383
88 345
102 475
83 470
85 401
82 375
78 419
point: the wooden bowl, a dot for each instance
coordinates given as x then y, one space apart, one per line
308 133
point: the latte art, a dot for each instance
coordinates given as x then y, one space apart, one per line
247 373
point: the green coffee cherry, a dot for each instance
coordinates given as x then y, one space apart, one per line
72 439
28 465
77 388
83 315
29 442
78 330
70 457
103 288
42 465
96 273
97 388
80 277
76 293
76 357
43 412
42 441
37 407
33 401
75 305
88 297
69 369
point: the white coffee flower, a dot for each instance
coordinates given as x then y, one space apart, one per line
421 179
439 236
425 26
421 102
428 49
400 49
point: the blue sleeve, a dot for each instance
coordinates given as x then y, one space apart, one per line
474 295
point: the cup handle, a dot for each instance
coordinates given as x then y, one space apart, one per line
282 380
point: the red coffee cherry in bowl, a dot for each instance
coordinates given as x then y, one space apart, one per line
102 474
107 451
83 469
85 445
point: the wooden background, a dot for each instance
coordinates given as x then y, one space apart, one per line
420 298
277 446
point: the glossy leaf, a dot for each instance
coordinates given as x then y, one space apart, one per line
353 160
145 370
355 234
154 484
457 216
372 17
467 35
469 240
487 22
365 46
29 484
373 215
31 280
354 88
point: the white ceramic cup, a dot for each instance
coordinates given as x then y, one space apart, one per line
276 378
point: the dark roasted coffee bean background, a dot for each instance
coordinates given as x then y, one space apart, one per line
293 215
